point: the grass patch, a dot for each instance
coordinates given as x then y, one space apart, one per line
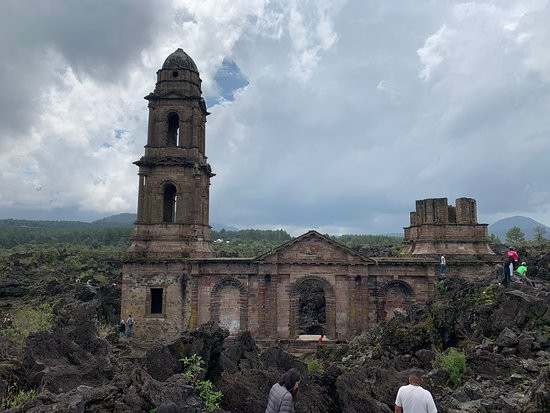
30 319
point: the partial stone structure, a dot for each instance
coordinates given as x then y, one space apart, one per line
441 229
172 282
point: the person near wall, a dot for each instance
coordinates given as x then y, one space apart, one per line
320 339
442 266
283 394
413 398
122 329
129 326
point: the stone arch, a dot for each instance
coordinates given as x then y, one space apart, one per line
172 128
393 295
294 302
169 202
233 321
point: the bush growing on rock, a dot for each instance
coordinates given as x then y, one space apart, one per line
453 362
210 397
16 398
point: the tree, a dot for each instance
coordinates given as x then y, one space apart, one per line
495 239
539 234
515 235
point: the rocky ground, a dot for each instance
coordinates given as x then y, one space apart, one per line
81 367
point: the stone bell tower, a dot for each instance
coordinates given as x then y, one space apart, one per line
174 176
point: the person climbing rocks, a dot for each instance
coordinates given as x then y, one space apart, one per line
512 253
320 339
122 329
413 398
129 326
442 266
282 394
522 271
507 270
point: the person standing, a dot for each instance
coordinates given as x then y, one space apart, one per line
121 329
413 398
442 266
282 394
320 339
129 326
507 270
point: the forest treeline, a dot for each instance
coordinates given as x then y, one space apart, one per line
239 243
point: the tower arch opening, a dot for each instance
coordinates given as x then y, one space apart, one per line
173 129
169 204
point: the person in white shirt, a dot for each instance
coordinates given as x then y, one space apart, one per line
413 398
442 266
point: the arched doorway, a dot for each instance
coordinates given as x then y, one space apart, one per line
396 295
229 305
312 307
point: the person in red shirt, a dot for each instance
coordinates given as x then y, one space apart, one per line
512 253
320 339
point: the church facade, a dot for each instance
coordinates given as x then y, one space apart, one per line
172 281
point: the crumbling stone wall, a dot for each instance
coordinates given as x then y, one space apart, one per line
440 229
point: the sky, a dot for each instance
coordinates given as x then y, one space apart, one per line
334 115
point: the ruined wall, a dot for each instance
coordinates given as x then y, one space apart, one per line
441 229
138 279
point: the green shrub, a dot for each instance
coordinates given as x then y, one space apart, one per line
16 398
194 367
30 319
453 362
210 398
314 366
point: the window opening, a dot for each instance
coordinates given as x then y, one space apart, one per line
156 300
173 129
170 199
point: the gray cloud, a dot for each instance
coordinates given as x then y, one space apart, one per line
353 109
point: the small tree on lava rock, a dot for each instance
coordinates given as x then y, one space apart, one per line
515 235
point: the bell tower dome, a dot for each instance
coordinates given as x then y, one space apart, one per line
174 175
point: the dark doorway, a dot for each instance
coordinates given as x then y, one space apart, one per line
312 312
156 300
169 208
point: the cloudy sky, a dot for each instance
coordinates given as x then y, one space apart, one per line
328 114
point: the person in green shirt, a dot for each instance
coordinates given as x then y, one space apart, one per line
522 271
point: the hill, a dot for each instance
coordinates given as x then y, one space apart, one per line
526 224
118 220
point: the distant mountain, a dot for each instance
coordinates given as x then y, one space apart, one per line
127 220
118 220
219 227
501 227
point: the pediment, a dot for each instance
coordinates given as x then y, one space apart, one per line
173 95
313 247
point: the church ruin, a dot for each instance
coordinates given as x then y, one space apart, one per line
172 282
